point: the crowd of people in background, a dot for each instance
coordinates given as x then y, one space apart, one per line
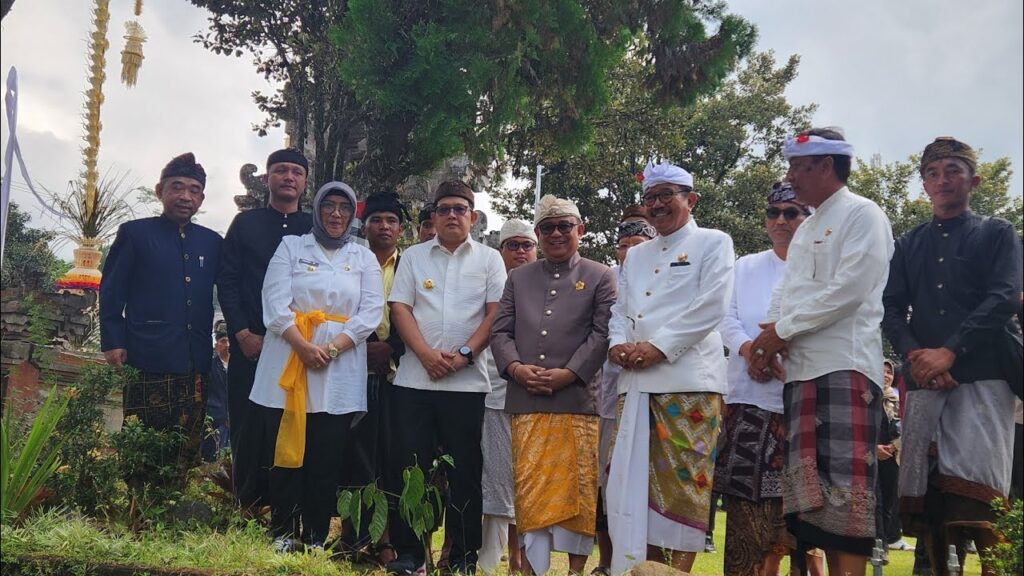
584 404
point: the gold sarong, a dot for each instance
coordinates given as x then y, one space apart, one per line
555 460
290 448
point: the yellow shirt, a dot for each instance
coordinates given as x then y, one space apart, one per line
388 276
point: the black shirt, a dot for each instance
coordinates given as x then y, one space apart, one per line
249 245
959 280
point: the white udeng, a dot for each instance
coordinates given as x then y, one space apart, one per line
303 277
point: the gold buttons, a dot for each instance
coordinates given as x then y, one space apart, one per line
188 302
186 256
945 234
553 292
284 225
547 312
557 275
939 285
942 258
189 326
542 357
182 235
543 332
188 279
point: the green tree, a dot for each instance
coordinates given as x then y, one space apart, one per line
731 140
289 43
461 76
29 262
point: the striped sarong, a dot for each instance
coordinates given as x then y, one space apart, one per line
828 490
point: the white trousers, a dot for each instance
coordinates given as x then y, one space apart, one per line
495 539
538 545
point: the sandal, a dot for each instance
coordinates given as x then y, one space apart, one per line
600 571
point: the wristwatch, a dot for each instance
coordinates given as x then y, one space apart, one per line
467 353
332 350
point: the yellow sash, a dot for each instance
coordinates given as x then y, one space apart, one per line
291 436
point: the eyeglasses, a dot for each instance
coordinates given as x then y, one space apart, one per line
515 246
772 213
549 227
343 209
665 196
445 209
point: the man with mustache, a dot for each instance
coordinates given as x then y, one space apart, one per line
549 340
673 292
824 314
444 300
156 315
958 280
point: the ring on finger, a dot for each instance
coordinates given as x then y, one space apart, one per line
759 352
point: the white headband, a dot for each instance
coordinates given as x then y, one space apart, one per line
666 173
810 145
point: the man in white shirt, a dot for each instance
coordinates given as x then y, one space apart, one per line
443 301
673 292
824 318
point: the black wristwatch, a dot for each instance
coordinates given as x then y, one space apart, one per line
467 353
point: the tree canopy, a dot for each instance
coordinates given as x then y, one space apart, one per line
426 81
731 140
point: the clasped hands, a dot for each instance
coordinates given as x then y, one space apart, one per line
440 363
635 355
763 355
541 381
930 368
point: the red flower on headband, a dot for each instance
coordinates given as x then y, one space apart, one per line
640 177
803 138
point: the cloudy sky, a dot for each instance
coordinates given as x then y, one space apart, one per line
894 75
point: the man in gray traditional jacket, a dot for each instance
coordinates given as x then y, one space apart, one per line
549 340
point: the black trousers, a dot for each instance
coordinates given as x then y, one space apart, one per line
302 500
244 453
456 419
368 450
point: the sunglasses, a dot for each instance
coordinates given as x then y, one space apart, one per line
665 196
515 246
458 209
772 213
549 227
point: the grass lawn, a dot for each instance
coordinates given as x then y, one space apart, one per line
60 543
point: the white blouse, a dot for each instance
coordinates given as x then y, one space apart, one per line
302 277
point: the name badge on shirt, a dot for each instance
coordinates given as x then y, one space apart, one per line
683 263
311 266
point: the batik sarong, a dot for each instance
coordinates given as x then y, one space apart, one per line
748 473
751 453
554 458
829 481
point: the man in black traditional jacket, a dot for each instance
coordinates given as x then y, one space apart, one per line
249 244
954 284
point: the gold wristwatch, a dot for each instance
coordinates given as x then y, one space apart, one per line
332 350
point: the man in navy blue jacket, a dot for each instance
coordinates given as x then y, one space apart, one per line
156 312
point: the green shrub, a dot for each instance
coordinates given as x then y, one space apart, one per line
1007 557
26 463
90 478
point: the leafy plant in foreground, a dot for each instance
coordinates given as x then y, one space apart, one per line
26 464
